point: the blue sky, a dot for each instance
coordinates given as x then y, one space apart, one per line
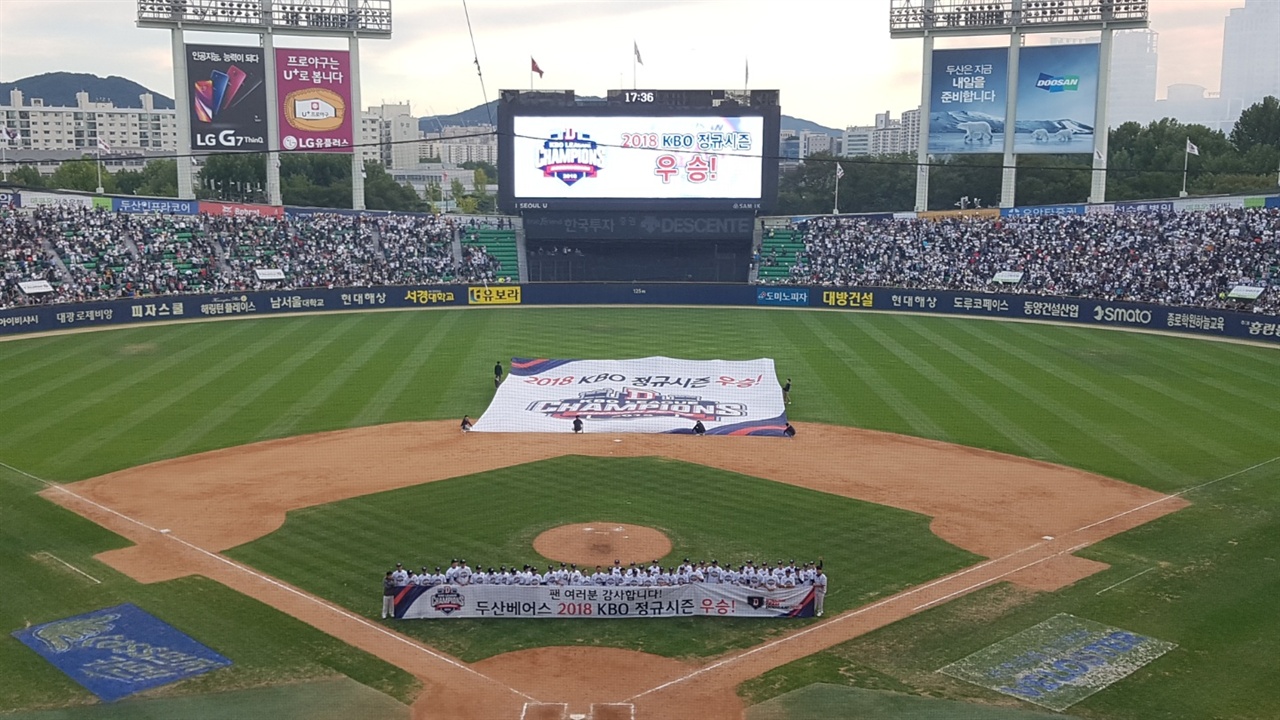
832 59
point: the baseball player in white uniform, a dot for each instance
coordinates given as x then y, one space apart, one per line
819 592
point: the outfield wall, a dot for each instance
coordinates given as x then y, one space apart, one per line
133 311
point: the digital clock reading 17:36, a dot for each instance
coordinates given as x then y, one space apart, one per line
632 96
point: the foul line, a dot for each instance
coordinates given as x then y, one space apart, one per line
64 562
1144 572
948 578
271 581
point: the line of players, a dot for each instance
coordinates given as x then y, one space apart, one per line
764 576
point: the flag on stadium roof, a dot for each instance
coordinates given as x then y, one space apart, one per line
534 66
839 171
636 48
103 145
1192 149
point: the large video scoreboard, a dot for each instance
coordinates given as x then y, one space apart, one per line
693 150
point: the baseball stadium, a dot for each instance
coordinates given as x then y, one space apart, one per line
1007 463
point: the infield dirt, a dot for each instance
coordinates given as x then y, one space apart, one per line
1028 516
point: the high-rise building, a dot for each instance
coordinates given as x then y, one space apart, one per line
1250 64
910 130
812 143
1131 96
396 131
42 127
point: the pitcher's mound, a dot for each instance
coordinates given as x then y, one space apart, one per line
600 543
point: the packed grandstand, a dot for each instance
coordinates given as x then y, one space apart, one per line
1177 258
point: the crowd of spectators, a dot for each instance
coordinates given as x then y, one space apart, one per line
91 254
1171 258
748 574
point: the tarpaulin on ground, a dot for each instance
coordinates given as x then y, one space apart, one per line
646 395
119 651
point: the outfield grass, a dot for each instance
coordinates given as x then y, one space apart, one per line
491 518
1162 412
1211 576
265 645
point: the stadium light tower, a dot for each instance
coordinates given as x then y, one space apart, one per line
352 19
929 19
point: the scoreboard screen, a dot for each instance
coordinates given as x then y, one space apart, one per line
651 150
673 157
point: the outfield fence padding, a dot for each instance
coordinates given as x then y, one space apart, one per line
1138 316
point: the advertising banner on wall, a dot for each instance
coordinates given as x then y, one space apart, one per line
575 601
967 100
1057 98
314 87
645 395
228 98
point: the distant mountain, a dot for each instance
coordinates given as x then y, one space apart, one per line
58 89
487 114
800 124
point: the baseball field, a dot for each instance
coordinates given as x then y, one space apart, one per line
964 481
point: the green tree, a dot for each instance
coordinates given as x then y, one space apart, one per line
490 171
81 175
976 177
382 192
26 176
316 180
1258 125
234 177
160 179
1053 179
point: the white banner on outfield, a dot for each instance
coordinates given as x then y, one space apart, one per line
575 601
1007 276
1246 292
646 395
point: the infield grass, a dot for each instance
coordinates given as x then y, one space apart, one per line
1162 412
491 519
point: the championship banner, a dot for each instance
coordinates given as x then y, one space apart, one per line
1057 99
638 157
969 89
228 98
315 100
647 395
577 601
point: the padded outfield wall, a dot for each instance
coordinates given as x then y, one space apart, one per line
1134 316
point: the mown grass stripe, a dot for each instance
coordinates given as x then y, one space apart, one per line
1086 426
921 422
817 401
218 416
110 393
1198 371
173 395
337 377
49 351
1029 444
395 384
1198 404
58 381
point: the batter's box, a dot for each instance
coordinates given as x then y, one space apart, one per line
613 711
545 711
1059 662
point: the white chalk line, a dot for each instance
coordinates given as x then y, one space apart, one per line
564 707
1136 575
271 581
948 578
69 565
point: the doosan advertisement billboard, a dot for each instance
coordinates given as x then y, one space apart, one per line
968 95
314 87
228 98
1057 99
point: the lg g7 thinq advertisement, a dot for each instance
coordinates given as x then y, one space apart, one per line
228 98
